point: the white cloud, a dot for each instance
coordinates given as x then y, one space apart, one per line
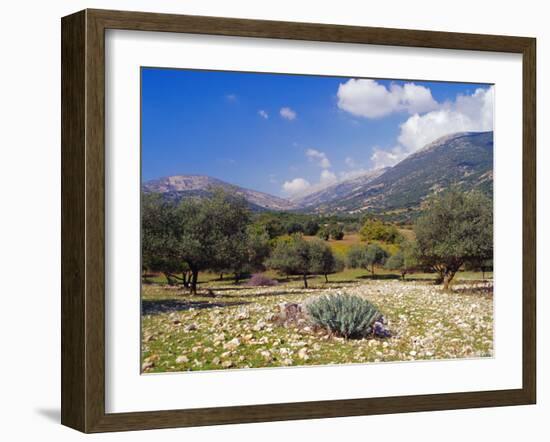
351 174
231 97
384 158
350 162
299 187
468 113
370 99
287 113
263 114
319 157
327 178
295 187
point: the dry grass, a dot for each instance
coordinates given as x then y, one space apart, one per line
234 329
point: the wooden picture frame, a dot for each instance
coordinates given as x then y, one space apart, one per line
83 220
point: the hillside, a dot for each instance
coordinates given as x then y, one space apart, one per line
462 159
344 189
184 186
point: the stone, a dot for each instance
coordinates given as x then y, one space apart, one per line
233 344
260 325
190 328
147 365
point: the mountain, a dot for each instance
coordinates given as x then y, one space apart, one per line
184 186
344 189
463 159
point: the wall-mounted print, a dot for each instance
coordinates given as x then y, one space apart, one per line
296 220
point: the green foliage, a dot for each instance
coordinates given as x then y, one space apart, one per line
311 227
294 227
198 234
396 262
351 227
404 260
292 256
347 315
323 233
455 228
270 224
367 257
375 255
376 230
323 259
355 257
160 235
336 231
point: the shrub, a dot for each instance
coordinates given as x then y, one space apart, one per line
376 230
323 233
336 231
294 227
311 227
260 280
347 315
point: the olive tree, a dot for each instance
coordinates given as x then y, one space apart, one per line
455 228
292 256
366 257
376 230
323 260
336 231
404 260
213 233
160 230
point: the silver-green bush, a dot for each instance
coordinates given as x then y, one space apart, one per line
347 315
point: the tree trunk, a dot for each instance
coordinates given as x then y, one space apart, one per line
326 278
403 275
194 278
305 280
440 277
237 278
185 278
221 276
168 278
372 271
447 278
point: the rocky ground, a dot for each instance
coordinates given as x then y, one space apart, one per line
235 326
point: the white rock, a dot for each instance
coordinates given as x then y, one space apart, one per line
233 344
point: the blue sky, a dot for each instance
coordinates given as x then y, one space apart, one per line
290 134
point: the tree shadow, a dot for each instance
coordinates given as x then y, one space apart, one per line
227 288
381 277
290 278
259 295
420 279
473 290
155 307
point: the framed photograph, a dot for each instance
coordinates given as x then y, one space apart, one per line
266 221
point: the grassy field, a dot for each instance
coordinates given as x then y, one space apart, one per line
231 326
342 246
212 280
